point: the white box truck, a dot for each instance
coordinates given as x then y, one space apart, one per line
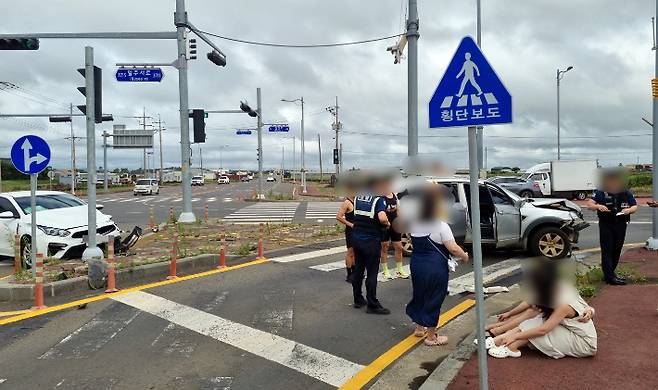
571 179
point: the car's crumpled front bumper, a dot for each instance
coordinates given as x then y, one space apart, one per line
573 227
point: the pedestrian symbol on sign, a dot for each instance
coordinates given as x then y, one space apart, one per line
470 93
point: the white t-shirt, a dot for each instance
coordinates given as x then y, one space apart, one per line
439 231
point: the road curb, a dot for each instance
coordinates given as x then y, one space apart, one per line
450 367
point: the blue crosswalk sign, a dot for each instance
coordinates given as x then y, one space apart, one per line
30 154
470 93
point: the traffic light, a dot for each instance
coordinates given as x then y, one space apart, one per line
19 44
336 157
191 52
257 154
216 58
244 106
199 126
98 94
58 119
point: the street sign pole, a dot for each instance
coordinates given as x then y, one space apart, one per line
303 152
33 221
473 168
92 251
260 144
180 18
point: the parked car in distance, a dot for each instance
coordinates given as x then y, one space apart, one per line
271 178
61 223
522 187
223 180
245 178
543 227
250 176
197 181
146 187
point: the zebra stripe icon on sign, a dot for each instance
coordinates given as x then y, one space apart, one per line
470 93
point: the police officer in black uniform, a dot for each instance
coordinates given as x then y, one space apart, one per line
614 205
369 221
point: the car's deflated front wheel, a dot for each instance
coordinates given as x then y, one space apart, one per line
550 242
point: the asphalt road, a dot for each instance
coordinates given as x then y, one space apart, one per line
268 326
128 210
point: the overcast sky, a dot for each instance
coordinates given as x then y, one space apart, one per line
605 96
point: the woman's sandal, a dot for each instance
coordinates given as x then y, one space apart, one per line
488 342
438 340
503 352
420 333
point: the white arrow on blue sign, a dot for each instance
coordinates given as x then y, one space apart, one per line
279 129
470 93
139 74
30 154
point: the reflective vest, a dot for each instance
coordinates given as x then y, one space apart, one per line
366 221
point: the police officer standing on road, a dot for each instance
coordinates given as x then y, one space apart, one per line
614 205
369 221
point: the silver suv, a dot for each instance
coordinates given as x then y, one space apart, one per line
544 227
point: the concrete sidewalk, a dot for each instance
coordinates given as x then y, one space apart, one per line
626 319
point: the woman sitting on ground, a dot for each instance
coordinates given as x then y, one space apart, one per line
558 325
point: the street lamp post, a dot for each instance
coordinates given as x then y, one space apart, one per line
303 169
559 75
221 160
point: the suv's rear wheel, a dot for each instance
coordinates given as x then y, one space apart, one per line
550 242
526 194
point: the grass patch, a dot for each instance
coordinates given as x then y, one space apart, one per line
589 283
246 249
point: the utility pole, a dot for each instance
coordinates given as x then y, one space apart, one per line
303 169
180 20
144 150
105 135
260 144
294 158
92 252
412 79
160 129
320 157
333 110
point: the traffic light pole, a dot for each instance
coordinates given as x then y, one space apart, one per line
259 110
180 20
92 252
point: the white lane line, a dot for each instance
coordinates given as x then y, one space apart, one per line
211 199
317 364
492 272
329 266
226 200
309 255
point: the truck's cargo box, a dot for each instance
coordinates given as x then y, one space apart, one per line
573 175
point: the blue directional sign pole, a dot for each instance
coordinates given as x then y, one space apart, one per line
470 94
30 155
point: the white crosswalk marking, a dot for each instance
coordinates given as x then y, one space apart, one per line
322 210
211 199
226 200
463 101
447 101
476 100
315 363
276 212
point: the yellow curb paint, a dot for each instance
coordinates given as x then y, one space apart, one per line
68 305
598 249
378 365
12 313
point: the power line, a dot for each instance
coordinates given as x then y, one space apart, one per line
499 136
297 46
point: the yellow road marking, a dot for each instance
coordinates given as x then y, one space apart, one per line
12 313
68 305
378 365
598 249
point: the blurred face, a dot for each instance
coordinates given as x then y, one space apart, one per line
612 184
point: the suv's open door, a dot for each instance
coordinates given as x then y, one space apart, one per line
507 218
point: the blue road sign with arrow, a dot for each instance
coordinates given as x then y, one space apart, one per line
243 132
279 129
470 93
30 154
139 74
